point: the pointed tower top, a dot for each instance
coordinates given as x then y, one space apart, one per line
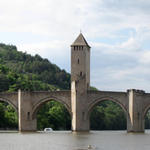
80 41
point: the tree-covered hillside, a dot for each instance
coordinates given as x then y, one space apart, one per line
21 70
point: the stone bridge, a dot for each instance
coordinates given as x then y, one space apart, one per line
27 105
135 104
80 100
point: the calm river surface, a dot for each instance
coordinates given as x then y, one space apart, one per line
65 140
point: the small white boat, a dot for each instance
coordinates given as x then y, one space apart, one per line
48 130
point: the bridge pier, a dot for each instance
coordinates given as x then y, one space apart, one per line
26 123
80 124
80 121
135 122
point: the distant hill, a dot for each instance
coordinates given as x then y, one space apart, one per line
21 70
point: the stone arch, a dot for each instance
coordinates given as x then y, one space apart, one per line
38 105
98 100
145 111
9 102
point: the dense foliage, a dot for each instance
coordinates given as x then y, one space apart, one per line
107 115
8 117
147 120
54 115
19 70
32 70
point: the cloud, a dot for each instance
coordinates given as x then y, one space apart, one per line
145 58
56 51
121 79
118 31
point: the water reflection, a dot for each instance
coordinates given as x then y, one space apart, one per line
66 140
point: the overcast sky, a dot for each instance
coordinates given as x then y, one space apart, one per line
117 30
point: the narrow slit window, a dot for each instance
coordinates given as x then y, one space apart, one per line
82 115
28 115
87 85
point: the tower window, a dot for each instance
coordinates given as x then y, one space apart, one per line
83 115
78 61
75 47
28 115
81 47
81 73
78 47
87 85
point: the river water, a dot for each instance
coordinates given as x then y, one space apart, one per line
66 140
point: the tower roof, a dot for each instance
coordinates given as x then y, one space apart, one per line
80 41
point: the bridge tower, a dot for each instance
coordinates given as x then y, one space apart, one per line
135 120
80 83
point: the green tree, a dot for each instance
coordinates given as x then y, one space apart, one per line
54 115
8 116
107 115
